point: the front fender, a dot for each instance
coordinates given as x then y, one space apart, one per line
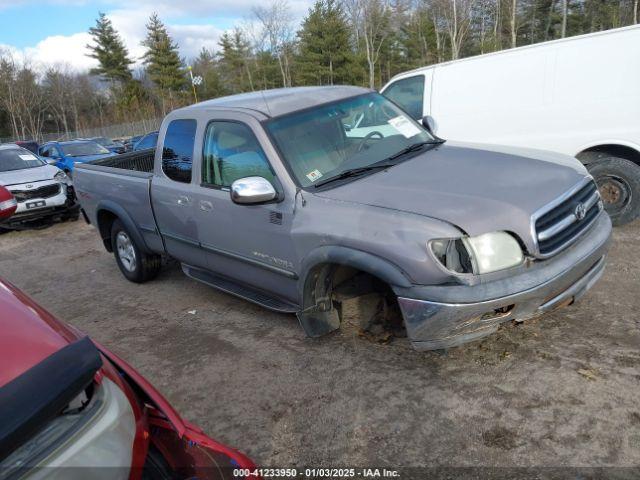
350 257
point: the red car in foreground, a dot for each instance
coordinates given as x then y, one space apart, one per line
70 408
8 203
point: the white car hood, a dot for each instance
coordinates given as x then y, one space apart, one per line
28 175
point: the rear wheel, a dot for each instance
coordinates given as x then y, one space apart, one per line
134 264
618 181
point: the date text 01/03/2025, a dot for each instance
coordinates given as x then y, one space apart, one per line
317 473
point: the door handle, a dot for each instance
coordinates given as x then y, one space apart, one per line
183 200
206 206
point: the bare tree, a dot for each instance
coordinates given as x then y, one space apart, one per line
565 11
514 23
371 22
457 15
277 28
497 26
21 96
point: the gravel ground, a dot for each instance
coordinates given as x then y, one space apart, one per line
559 390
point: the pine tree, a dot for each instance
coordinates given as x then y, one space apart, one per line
109 50
325 53
234 59
162 60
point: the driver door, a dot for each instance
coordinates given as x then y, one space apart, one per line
250 244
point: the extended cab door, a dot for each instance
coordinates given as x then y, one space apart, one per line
173 192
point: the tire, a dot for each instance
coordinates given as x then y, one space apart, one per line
618 180
134 264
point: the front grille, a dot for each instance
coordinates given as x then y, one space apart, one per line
563 223
43 192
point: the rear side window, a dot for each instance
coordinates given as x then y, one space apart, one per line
408 93
177 150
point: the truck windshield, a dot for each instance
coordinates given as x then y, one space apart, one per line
339 138
82 149
18 159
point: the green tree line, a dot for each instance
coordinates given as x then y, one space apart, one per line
360 42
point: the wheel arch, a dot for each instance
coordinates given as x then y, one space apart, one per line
357 259
317 315
108 212
591 153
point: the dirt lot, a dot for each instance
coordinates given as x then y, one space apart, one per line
559 390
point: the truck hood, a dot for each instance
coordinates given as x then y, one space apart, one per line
479 190
28 175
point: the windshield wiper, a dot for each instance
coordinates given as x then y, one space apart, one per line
354 172
414 147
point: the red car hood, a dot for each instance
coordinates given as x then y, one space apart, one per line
28 333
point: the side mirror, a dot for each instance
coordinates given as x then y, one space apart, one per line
347 127
51 160
430 124
250 190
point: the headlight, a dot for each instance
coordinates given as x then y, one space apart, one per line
60 176
485 253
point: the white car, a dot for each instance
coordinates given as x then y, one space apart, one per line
41 190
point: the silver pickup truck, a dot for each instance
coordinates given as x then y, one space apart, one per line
276 197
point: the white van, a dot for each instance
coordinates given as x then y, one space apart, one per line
578 95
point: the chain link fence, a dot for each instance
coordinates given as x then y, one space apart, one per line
123 130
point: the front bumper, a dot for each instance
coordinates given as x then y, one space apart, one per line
472 312
61 204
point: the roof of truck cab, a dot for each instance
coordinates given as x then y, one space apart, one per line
280 101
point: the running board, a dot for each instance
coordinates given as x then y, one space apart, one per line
242 291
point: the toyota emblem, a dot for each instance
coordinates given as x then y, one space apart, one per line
29 185
580 211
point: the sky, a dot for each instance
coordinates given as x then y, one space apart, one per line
54 32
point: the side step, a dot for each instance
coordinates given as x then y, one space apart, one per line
242 291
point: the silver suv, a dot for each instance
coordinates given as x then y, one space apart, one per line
41 190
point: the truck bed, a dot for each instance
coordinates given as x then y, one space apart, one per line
120 184
140 161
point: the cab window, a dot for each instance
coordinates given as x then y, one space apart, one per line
177 150
408 93
231 151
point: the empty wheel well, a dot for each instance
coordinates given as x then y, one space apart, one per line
105 222
332 289
593 154
329 279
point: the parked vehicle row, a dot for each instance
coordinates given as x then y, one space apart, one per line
277 197
66 155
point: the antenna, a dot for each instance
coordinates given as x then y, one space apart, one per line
265 102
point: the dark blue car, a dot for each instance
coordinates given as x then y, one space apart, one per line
150 140
67 154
